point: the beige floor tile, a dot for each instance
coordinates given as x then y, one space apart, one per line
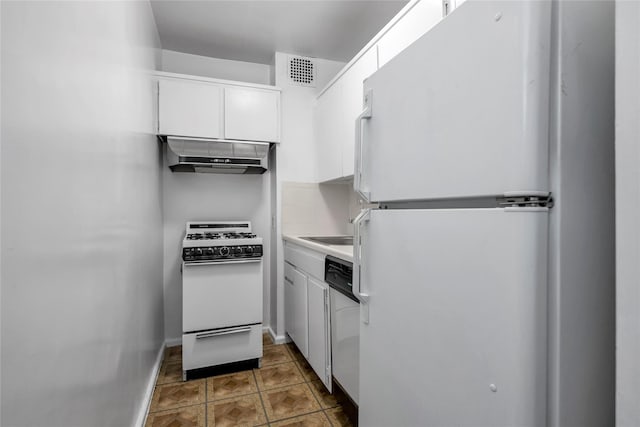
295 353
190 416
231 385
275 354
266 339
280 375
316 419
326 399
238 411
338 418
173 354
289 401
170 372
169 396
307 371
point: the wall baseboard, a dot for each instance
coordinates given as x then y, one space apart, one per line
172 342
148 394
282 339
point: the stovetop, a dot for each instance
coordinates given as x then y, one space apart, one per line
219 241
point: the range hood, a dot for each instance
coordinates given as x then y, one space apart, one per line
216 155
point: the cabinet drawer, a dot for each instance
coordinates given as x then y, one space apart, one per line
310 261
210 348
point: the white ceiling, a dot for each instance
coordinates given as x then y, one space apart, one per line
252 31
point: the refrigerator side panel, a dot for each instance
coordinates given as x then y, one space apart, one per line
463 111
457 318
582 310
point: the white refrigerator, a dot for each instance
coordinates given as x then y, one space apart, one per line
464 151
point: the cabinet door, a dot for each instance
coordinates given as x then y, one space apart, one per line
327 118
187 108
296 320
351 104
424 15
289 296
251 114
319 338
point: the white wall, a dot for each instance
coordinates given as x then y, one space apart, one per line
295 158
315 209
628 212
204 197
82 322
196 65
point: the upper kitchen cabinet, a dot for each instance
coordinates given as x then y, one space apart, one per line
341 102
251 114
328 133
189 108
413 24
219 109
352 104
334 119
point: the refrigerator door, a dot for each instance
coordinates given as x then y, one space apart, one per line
456 332
463 111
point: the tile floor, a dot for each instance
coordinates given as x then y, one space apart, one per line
283 392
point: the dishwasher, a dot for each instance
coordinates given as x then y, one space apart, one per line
345 326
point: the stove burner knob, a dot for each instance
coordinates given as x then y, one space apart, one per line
198 251
224 251
237 250
208 251
249 249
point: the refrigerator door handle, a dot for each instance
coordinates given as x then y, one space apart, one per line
357 256
357 174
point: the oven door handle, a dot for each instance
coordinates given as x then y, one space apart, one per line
223 332
241 261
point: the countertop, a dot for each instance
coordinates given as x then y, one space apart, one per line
339 251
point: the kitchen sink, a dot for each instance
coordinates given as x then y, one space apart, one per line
331 240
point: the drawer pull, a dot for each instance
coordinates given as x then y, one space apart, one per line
224 332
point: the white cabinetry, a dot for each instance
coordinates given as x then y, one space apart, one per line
251 114
327 131
319 330
217 109
339 105
187 108
416 22
352 105
307 317
295 301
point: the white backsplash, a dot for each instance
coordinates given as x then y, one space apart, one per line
318 209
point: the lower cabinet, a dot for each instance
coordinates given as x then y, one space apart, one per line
295 306
306 310
319 330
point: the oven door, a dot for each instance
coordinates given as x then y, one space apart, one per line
220 294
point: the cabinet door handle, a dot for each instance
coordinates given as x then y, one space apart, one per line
286 279
359 143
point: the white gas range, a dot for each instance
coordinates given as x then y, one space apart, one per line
221 295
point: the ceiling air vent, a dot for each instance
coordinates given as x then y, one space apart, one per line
302 71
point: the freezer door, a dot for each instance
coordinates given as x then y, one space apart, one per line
456 332
463 111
